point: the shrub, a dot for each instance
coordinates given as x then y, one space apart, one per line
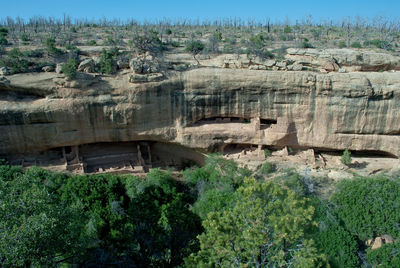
109 41
306 44
339 246
342 44
387 256
24 38
50 45
356 45
175 44
69 69
106 64
259 230
346 157
369 207
287 29
267 153
194 47
168 31
378 43
266 168
3 36
16 61
92 43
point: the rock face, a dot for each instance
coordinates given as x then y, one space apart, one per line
352 60
206 109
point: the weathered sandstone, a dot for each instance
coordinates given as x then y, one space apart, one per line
205 109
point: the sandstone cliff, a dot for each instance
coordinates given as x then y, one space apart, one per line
206 108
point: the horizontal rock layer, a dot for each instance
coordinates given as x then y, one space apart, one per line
206 109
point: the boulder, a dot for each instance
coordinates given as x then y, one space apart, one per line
378 242
270 63
388 239
4 71
329 65
48 69
297 67
87 66
139 66
123 63
281 64
59 67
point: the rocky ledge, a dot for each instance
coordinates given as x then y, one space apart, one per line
205 109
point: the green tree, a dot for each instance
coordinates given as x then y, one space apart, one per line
107 64
346 157
369 207
194 47
332 239
3 36
35 228
165 229
287 29
50 45
16 61
266 227
69 68
258 46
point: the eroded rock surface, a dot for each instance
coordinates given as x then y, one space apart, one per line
205 109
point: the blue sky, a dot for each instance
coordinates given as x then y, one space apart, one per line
277 10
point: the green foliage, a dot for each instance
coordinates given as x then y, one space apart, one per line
369 207
267 153
214 184
107 64
109 41
35 228
378 43
359 57
265 224
15 60
168 31
339 246
165 229
294 182
50 45
346 157
268 54
342 44
69 68
266 168
35 53
287 29
213 200
217 173
386 256
92 43
145 219
194 47
25 38
147 41
306 44
3 36
175 44
356 45
257 46
218 35
3 31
